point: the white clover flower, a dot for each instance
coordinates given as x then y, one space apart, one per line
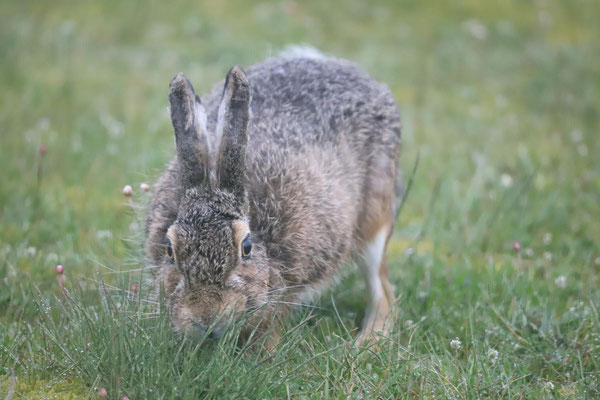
493 355
506 180
548 386
103 234
409 323
475 28
547 238
145 187
529 252
561 281
576 136
409 252
548 256
455 344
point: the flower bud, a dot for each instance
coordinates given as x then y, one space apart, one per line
127 191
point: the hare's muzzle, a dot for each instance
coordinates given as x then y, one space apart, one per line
200 330
206 312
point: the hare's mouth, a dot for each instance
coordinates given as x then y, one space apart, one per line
199 330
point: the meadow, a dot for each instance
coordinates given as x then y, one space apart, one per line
496 253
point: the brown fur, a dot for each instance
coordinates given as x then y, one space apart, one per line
304 153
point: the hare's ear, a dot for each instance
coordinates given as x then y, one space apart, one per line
189 122
231 132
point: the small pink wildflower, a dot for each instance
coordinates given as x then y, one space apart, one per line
127 191
102 392
125 398
43 149
134 288
59 271
517 246
145 187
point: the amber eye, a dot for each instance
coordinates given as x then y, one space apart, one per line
246 247
170 251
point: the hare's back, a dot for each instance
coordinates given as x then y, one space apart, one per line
298 102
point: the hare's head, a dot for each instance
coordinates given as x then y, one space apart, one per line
217 271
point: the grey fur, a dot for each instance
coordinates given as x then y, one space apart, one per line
311 163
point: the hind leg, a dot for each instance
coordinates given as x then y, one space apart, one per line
380 294
385 282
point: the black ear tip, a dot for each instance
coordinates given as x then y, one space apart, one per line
179 80
181 86
236 85
237 71
236 76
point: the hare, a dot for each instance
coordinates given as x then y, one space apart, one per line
283 174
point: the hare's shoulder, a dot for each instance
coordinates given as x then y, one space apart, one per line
303 207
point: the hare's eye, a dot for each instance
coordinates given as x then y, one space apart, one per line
246 247
170 251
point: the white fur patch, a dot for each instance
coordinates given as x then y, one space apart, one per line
311 293
301 51
179 286
201 120
216 142
234 281
371 262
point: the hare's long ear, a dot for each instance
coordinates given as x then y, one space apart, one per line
231 132
189 122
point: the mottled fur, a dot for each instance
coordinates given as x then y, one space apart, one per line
304 151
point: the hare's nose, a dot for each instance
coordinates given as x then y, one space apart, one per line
217 331
199 329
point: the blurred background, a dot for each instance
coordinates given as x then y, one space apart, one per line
501 100
494 95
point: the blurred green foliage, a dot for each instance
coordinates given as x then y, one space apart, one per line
501 100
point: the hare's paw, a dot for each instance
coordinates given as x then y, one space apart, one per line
376 322
376 325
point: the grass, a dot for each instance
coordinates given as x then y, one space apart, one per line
499 99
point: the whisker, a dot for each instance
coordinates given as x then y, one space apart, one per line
287 288
142 269
287 303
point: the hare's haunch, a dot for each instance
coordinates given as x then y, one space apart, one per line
283 174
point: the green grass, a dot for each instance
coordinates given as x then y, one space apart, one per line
501 101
